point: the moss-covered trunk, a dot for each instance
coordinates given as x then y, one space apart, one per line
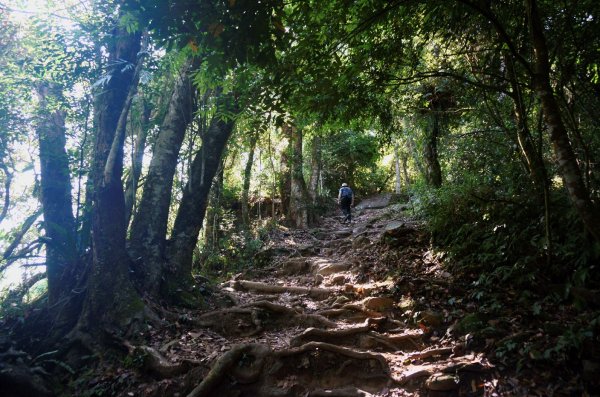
59 223
111 300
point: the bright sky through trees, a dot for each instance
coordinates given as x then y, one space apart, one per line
22 13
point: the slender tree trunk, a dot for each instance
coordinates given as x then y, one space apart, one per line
285 176
529 152
565 157
315 169
211 226
299 198
404 158
247 178
140 131
433 171
192 209
149 225
59 222
397 169
412 146
111 299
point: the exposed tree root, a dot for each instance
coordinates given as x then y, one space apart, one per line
224 364
422 373
159 367
448 367
346 392
315 293
343 351
430 353
253 318
350 312
11 354
305 319
237 321
307 370
21 380
363 337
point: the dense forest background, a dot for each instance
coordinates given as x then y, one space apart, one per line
146 145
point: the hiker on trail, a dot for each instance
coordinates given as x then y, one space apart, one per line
346 200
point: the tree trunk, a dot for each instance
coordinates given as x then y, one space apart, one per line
299 198
247 177
285 176
315 169
149 225
433 171
529 152
111 299
140 131
211 226
397 169
59 222
404 159
192 209
565 157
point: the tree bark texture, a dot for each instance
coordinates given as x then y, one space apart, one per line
563 151
111 299
404 159
139 129
192 209
59 222
397 169
247 178
433 171
284 183
529 151
299 199
149 225
212 231
315 169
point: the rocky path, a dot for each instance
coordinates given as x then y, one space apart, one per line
322 318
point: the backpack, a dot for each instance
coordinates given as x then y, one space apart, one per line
346 192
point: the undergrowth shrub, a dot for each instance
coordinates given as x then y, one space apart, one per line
232 251
501 237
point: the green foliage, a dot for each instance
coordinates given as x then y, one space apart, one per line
233 253
351 156
226 248
502 238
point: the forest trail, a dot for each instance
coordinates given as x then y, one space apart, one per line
321 317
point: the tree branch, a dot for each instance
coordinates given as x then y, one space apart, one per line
8 253
489 15
7 183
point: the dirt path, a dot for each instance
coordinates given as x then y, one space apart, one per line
320 319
